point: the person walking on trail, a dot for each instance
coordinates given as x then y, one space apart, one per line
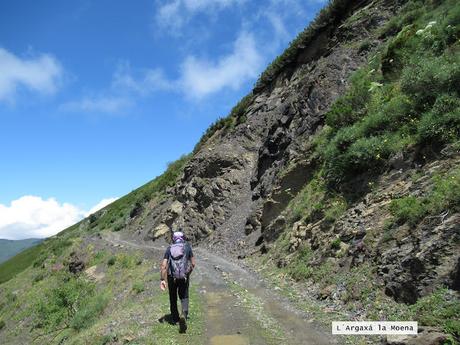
176 267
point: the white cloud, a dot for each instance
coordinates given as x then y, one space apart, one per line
98 104
201 77
198 77
100 205
41 74
149 80
173 14
31 216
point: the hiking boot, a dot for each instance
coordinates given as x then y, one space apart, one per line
182 324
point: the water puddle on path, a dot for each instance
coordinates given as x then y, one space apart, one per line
229 340
227 323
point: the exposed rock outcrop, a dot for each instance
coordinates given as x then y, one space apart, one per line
236 187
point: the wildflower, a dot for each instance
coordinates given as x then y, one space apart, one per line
374 85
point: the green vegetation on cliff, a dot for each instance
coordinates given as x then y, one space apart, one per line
403 103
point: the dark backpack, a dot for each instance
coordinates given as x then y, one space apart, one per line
178 261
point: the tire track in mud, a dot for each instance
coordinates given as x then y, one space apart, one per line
240 308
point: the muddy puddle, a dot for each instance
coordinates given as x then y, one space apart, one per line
229 340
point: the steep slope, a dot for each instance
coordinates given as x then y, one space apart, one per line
9 248
338 173
349 158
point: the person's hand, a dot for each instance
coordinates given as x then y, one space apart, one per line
163 285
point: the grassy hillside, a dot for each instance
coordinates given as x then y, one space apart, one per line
37 288
115 300
112 218
9 248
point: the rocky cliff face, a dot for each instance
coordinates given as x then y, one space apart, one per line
236 189
237 171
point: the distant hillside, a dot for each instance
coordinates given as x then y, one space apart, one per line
9 248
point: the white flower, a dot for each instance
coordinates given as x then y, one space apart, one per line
374 85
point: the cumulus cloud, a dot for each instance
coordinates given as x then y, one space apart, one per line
148 81
98 104
100 205
33 217
201 77
41 74
173 14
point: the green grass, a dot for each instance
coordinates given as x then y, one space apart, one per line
440 309
406 96
138 287
19 262
111 261
309 203
70 302
235 117
164 333
444 197
300 268
115 215
112 217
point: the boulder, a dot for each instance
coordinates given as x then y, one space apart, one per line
160 231
176 208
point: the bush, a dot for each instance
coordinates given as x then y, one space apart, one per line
335 244
59 305
429 77
408 209
59 244
89 311
118 227
99 257
40 260
308 204
387 115
363 155
138 287
442 123
2 324
334 210
111 261
127 260
351 107
299 268
38 277
440 309
444 196
446 193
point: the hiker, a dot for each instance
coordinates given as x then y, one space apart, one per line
176 267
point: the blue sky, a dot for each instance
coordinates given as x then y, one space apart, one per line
97 96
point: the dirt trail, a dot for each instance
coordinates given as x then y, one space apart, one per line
240 308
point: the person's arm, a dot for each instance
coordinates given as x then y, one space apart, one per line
192 258
193 262
164 271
